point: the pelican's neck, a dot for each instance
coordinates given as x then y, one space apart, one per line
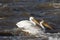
41 24
31 20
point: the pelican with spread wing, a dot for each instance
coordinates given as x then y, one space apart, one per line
30 26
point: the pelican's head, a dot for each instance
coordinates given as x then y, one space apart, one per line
42 23
33 20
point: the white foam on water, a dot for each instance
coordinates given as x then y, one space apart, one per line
51 38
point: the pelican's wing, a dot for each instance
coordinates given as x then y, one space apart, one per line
24 23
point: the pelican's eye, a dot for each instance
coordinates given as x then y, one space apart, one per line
31 17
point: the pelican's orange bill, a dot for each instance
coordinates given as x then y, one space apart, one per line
47 25
36 21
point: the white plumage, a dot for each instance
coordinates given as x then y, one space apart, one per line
31 27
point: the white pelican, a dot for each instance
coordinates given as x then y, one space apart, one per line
30 26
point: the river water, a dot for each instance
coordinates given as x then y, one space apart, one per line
12 12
